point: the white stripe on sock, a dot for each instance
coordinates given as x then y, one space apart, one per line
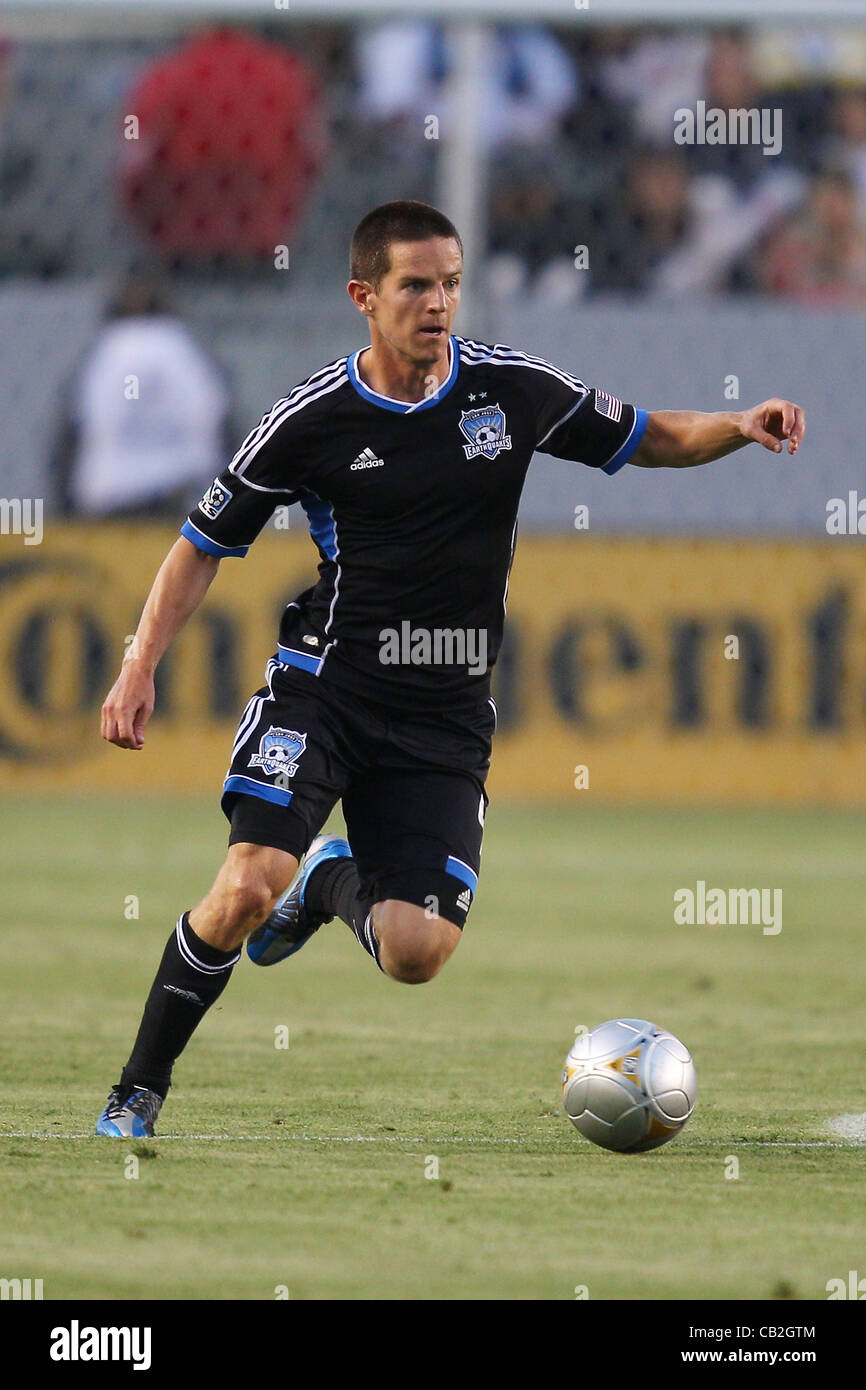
194 961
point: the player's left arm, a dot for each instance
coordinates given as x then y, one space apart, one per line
684 438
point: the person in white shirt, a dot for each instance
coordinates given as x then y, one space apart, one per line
527 86
146 415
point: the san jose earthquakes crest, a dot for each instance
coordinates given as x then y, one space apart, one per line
485 430
279 750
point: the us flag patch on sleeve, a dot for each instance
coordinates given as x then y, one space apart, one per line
608 405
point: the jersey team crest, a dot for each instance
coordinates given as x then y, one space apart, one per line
485 430
279 750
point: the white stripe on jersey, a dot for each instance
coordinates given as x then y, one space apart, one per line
494 352
567 416
337 577
323 374
336 558
573 383
290 405
475 354
304 386
508 575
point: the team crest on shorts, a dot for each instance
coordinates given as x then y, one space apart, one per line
485 430
279 750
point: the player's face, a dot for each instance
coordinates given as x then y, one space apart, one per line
415 303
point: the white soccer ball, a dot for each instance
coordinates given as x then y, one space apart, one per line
628 1085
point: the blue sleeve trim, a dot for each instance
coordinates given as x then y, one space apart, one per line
250 787
203 542
462 871
626 449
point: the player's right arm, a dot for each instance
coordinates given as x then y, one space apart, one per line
180 585
225 522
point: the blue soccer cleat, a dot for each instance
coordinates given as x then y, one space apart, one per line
290 926
131 1116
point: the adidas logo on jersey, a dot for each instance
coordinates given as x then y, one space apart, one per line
465 899
367 459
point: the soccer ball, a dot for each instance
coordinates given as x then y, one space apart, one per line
628 1085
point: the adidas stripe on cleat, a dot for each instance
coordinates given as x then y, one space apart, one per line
289 926
130 1117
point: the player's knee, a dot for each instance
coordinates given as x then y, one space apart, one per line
413 947
413 967
250 885
248 898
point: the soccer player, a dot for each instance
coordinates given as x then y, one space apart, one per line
408 457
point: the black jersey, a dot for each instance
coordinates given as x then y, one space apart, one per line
413 508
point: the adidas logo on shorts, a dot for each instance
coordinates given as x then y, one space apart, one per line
367 459
465 899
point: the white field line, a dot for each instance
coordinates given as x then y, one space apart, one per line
529 1144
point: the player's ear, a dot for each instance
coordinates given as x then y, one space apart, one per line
359 292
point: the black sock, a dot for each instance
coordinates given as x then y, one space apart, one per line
334 890
191 976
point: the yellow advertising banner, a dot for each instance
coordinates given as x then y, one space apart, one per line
633 669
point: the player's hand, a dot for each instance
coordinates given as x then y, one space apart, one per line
773 421
128 706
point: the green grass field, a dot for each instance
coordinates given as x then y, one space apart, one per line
305 1167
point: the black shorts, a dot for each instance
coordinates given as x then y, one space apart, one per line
411 786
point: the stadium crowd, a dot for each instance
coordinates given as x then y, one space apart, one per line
577 125
252 137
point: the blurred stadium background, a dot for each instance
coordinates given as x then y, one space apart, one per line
177 190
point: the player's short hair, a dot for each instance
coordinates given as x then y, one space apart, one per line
405 220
